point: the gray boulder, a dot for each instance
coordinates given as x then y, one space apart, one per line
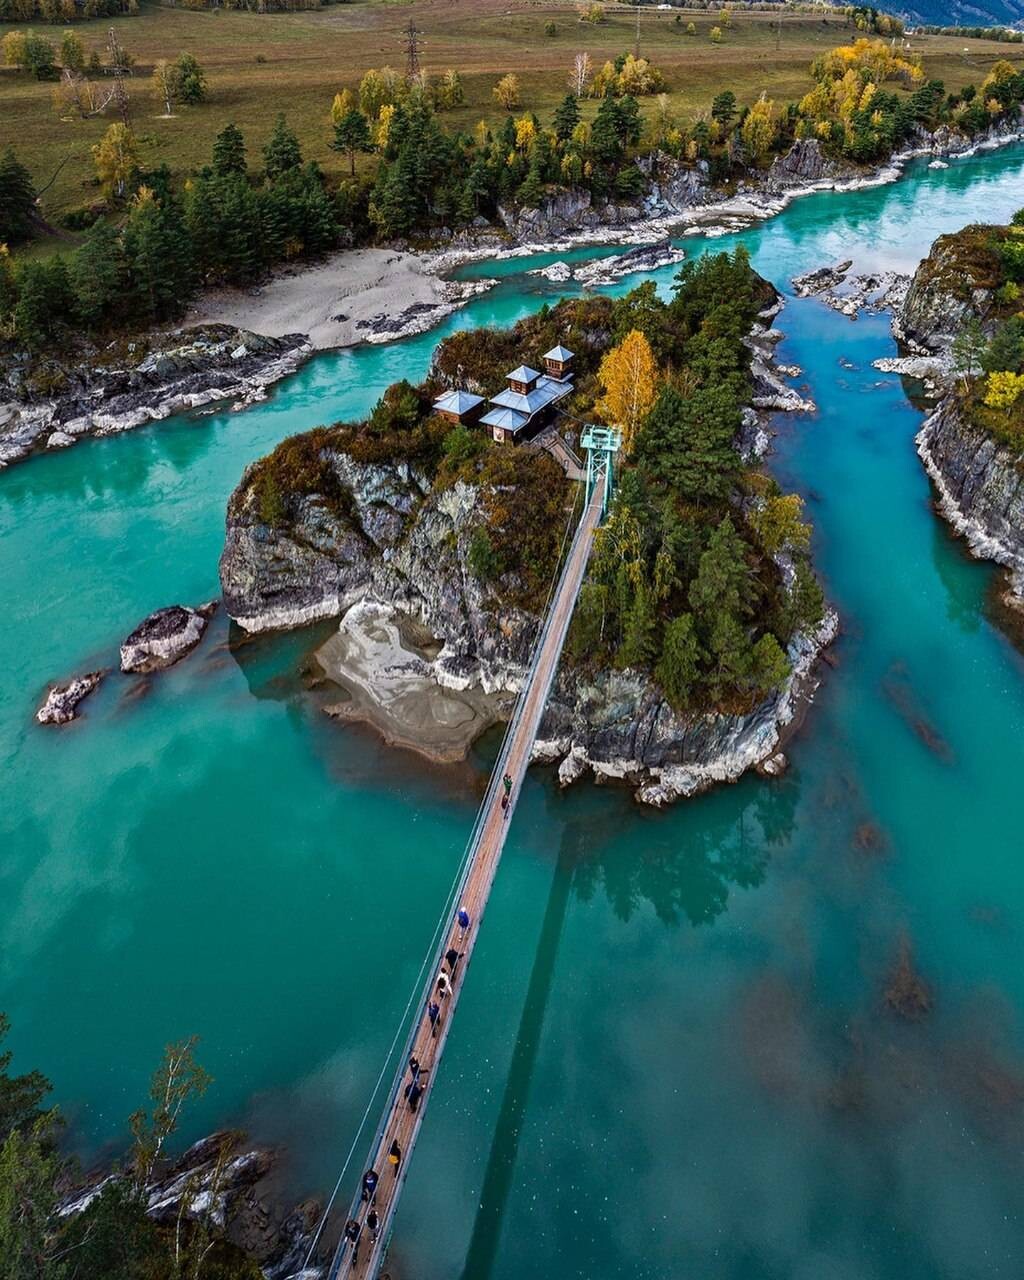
165 637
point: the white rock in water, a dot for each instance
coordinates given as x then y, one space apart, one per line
61 703
557 271
938 164
59 440
165 637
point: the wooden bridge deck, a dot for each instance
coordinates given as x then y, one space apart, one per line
400 1124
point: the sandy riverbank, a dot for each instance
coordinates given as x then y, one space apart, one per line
358 295
384 663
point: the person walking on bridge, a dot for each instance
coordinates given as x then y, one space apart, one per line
444 986
464 922
413 1093
433 1013
373 1225
370 1180
395 1157
417 1071
453 957
352 1229
506 782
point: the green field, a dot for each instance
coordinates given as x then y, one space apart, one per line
258 65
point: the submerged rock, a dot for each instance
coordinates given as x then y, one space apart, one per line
906 992
165 637
61 703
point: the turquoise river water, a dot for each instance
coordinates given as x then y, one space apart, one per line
673 1057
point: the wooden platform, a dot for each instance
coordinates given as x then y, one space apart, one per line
427 1042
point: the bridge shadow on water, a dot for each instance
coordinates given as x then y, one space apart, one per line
681 878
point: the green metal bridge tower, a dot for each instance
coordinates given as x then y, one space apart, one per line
601 444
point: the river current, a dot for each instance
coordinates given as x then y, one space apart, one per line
673 1057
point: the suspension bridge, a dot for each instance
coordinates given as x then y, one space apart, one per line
367 1230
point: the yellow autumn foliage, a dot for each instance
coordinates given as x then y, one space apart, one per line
629 376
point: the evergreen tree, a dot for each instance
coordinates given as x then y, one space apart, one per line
532 189
17 200
769 665
639 638
229 151
159 257
687 442
678 669
98 275
282 152
606 134
44 301
352 134
720 584
567 117
723 109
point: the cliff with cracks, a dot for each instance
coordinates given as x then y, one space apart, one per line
700 622
963 311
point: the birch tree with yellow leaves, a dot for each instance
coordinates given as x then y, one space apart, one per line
629 376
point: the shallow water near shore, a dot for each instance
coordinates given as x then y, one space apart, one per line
673 1057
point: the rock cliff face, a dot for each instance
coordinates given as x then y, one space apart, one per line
53 405
980 487
979 482
231 1186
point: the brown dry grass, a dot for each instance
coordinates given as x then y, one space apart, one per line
260 65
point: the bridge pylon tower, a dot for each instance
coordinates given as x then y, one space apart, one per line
601 444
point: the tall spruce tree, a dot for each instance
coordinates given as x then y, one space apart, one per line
351 135
229 151
282 152
99 276
567 117
17 200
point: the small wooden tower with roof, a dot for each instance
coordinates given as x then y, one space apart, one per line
558 363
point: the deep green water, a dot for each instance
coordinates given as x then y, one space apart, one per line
673 1059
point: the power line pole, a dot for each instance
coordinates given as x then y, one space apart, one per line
413 45
117 61
636 43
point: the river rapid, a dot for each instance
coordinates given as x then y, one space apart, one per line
674 1057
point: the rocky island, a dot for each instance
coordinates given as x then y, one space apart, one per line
700 621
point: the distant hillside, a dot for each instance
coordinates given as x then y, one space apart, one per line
962 13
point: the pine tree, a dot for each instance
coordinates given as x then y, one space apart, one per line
723 108
567 117
282 152
678 670
720 584
98 275
17 200
229 151
769 666
639 639
352 134
159 257
531 191
44 301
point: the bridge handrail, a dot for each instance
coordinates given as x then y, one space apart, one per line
490 798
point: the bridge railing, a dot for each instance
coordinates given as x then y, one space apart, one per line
491 798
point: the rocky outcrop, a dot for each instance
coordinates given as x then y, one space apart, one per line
980 487
871 292
165 637
45 405
979 482
397 541
60 706
230 1186
619 727
805 162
